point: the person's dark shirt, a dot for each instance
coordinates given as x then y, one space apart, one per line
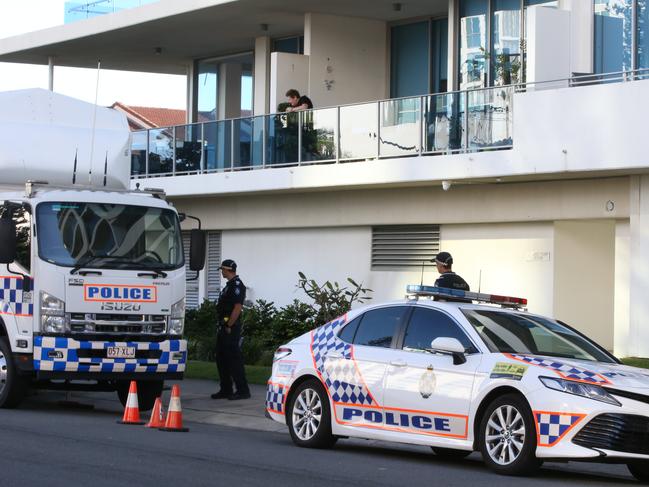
305 100
452 281
233 293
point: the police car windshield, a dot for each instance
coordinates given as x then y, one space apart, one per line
99 235
521 333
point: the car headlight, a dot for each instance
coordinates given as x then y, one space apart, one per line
177 318
52 311
583 389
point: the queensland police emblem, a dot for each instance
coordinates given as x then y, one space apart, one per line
427 383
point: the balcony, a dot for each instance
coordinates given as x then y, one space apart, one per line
474 128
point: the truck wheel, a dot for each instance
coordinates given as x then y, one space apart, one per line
12 386
309 417
507 437
147 392
640 470
451 453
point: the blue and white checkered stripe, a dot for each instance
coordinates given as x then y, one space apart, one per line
553 426
46 348
340 375
12 299
275 397
566 371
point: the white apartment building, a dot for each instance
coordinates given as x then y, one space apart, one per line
510 133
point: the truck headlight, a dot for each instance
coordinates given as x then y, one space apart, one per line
177 318
52 311
583 389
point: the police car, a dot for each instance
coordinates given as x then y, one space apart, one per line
462 377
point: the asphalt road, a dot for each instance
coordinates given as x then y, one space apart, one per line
46 445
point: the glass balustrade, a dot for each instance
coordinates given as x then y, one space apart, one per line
188 148
444 122
400 129
465 121
359 132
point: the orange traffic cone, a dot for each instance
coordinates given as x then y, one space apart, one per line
157 415
174 412
132 410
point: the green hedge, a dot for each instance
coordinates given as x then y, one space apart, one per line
265 326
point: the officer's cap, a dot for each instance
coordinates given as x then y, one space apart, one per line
229 265
443 258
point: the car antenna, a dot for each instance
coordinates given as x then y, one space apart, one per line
94 121
479 280
423 263
74 169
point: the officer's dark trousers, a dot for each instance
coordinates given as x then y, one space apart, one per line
229 361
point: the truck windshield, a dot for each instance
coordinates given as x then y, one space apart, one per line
526 334
104 235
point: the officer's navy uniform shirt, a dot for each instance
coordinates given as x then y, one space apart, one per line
451 280
233 293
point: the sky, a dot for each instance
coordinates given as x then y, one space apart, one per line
143 89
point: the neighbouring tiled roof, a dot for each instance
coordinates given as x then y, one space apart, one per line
150 117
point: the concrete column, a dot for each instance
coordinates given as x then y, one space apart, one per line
50 73
190 105
453 40
262 75
229 97
639 270
582 25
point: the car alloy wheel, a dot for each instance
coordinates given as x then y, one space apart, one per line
3 372
307 414
505 434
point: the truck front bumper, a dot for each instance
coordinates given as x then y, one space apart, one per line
67 358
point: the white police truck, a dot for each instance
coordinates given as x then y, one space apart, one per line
92 274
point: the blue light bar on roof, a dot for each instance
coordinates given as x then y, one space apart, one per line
443 292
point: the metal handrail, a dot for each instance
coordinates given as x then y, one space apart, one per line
421 119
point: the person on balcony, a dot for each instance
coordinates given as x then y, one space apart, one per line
297 102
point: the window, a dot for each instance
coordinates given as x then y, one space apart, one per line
348 332
473 43
397 246
507 332
613 35
378 326
23 220
291 45
428 324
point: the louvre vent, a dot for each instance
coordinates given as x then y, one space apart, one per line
213 263
191 293
398 246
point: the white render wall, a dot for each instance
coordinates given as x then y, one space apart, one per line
348 54
511 257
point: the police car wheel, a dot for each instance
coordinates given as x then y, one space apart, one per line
147 392
309 416
12 386
507 436
451 453
640 470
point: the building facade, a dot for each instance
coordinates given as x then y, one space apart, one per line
507 132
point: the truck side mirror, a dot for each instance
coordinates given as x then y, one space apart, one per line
197 248
8 240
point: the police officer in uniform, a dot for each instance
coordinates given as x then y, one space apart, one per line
229 359
448 278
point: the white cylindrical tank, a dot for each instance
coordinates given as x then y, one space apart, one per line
42 134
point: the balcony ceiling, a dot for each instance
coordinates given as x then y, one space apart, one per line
187 30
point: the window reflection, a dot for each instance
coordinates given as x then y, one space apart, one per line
613 35
473 52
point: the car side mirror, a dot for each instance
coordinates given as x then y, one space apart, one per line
449 346
8 249
197 248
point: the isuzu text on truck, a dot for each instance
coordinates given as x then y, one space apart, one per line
92 274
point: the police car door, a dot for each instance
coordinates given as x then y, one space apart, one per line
357 376
426 393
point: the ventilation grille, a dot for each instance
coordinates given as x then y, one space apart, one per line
213 264
398 246
191 293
